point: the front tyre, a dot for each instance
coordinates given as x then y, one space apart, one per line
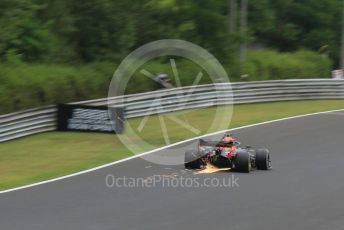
263 161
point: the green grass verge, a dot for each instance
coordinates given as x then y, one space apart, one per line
48 155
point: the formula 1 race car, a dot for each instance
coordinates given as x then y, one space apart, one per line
227 153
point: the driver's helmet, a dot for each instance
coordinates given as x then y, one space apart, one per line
228 138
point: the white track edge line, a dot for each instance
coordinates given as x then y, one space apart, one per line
161 148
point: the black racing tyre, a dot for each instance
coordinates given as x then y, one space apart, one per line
243 162
263 161
193 160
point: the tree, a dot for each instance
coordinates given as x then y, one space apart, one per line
289 25
22 32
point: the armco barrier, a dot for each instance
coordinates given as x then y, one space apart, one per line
43 119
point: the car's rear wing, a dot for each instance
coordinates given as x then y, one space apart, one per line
207 143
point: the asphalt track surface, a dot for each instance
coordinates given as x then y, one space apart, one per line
304 190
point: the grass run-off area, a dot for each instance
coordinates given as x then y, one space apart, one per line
52 154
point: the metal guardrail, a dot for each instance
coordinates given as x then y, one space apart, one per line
43 119
23 123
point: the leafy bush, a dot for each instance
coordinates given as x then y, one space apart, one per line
31 85
271 65
24 86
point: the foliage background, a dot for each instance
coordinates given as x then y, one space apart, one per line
54 51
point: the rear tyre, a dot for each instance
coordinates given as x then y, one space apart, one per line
243 162
193 160
263 161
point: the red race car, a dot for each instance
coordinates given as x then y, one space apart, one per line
227 153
